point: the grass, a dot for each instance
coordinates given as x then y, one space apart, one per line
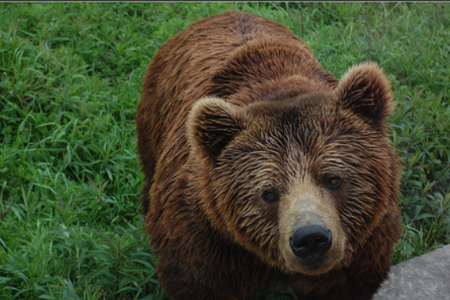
71 75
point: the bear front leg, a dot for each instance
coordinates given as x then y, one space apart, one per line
353 289
180 284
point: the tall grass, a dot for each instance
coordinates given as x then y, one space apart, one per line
71 75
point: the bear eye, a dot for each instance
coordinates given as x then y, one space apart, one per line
334 183
270 196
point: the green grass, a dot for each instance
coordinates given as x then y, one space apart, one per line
71 75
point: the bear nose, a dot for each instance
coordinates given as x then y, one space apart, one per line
311 242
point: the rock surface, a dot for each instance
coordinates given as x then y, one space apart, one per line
425 277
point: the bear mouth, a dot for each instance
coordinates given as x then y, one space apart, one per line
315 266
312 264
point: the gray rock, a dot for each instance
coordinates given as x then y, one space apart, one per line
425 277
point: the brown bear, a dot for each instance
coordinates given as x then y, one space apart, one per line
262 170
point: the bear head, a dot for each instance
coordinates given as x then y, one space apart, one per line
300 182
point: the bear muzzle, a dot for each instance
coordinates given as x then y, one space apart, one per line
312 240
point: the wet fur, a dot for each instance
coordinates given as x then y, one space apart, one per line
236 104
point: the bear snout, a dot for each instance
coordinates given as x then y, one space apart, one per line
311 242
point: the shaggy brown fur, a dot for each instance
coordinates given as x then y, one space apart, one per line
243 139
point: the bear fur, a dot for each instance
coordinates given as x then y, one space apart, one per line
244 139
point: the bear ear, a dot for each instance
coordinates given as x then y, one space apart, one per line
212 123
366 90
